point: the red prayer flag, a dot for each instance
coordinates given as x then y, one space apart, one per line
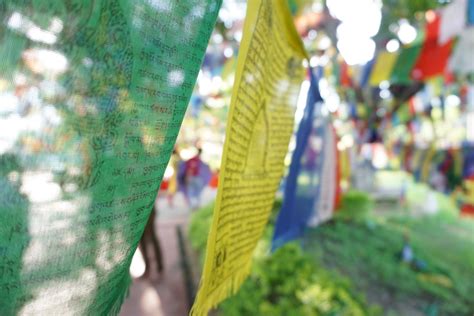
433 58
345 78
411 106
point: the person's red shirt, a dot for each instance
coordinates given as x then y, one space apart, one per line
192 166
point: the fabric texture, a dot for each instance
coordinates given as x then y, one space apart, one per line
407 58
382 68
99 90
259 126
470 12
325 204
433 57
302 182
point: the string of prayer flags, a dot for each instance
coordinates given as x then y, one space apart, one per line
303 180
345 78
383 68
403 92
433 57
468 165
427 163
259 127
111 81
366 72
421 60
336 68
451 165
407 58
345 166
416 163
458 161
467 207
447 170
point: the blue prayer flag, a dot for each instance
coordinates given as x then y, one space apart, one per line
470 12
302 183
366 71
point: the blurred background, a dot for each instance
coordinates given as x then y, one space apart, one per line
397 78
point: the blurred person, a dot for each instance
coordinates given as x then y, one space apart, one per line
150 237
195 175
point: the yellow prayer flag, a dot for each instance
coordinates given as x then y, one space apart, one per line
427 164
345 162
328 71
382 68
469 196
259 127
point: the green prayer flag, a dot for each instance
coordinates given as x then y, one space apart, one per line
93 93
401 73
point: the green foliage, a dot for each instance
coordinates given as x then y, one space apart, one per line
287 282
199 227
355 205
370 257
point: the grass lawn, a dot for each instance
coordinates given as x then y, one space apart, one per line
368 253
